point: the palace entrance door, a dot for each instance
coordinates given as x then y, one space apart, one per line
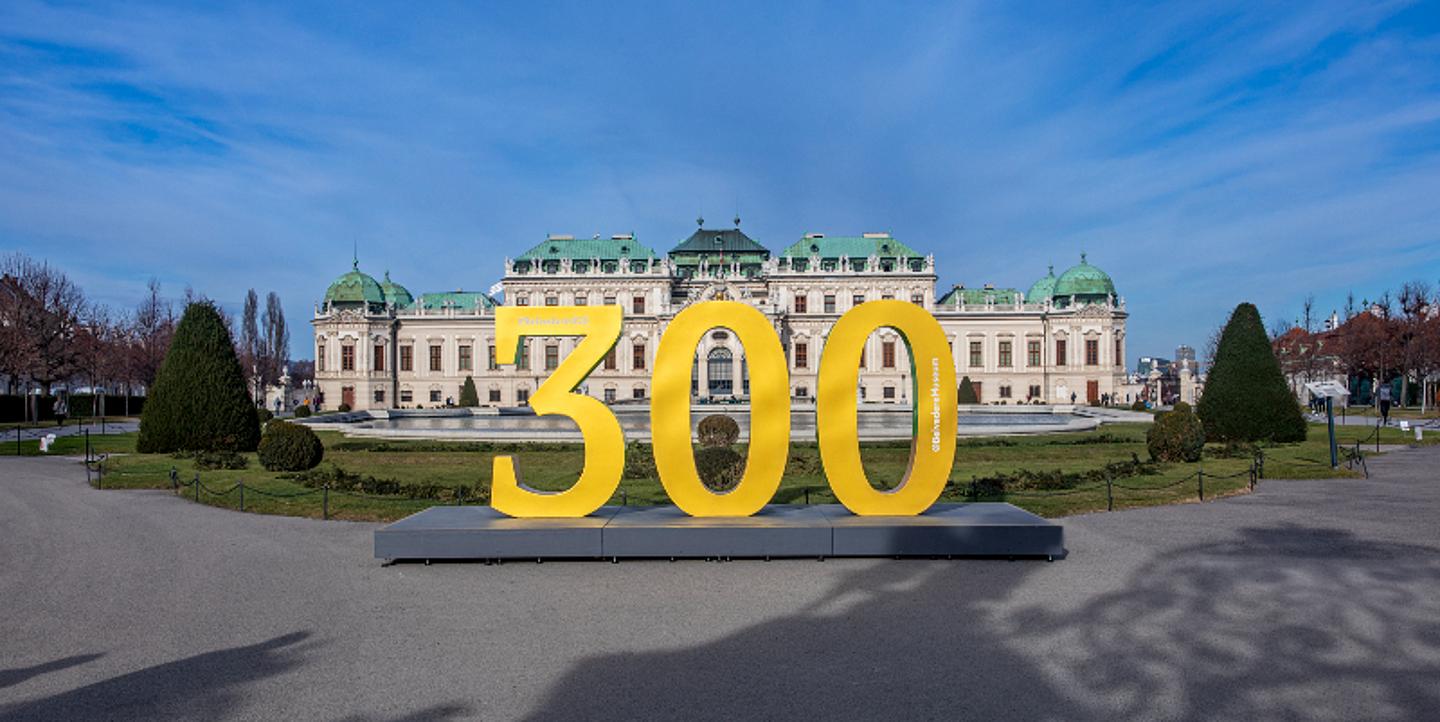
1092 391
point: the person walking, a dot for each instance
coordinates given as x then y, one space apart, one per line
1384 397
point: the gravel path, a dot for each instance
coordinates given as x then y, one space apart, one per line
1310 599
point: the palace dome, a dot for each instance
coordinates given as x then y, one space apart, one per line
1085 282
396 294
355 287
1042 289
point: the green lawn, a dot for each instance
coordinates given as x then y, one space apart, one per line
555 466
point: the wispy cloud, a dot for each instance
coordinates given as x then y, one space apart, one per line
1203 154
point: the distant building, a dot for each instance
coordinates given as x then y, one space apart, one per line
378 346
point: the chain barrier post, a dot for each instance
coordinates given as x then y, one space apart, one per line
197 486
807 496
17 440
100 475
174 479
1201 476
1109 493
87 446
241 486
325 514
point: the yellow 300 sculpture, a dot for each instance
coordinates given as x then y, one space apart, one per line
932 450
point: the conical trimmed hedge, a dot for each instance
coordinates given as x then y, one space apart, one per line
468 395
199 401
1246 397
966 393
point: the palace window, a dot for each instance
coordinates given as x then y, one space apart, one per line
887 354
1032 353
1005 356
829 303
638 392
864 349
434 396
435 359
490 360
379 396
609 396
494 396
978 395
637 304
522 396
552 300
977 354
523 358
582 300
1092 352
1004 391
522 299
1034 391
379 359
637 356
1119 353
888 392
918 299
609 300
406 396
552 356
407 358
347 357
802 355
802 392
610 359
857 299
802 304
466 358
887 297
1060 352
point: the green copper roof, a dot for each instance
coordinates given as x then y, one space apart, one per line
355 287
1085 282
1042 289
731 241
395 293
584 249
978 296
464 300
850 246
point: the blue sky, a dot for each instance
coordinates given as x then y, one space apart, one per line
1202 153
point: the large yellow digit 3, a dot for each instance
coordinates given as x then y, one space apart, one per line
932 450
769 410
604 441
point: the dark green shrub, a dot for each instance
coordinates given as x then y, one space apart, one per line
468 395
639 461
1138 406
717 431
337 479
302 411
966 393
199 400
720 467
1246 397
216 460
290 447
1181 406
343 408
1176 436
265 415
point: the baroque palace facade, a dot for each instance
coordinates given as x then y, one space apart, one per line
377 346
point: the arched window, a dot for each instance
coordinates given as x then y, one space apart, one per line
720 365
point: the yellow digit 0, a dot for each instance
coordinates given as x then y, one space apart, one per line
932 450
600 430
769 410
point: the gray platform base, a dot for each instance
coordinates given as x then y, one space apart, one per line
778 531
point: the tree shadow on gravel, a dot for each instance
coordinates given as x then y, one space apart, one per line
12 677
1287 622
205 686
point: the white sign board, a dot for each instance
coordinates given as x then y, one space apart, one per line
1327 389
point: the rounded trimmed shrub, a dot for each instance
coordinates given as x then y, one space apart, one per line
290 447
1246 397
200 401
717 431
343 408
265 415
720 467
1181 406
302 411
1176 436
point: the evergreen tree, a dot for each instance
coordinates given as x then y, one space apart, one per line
468 395
199 400
1246 397
966 393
